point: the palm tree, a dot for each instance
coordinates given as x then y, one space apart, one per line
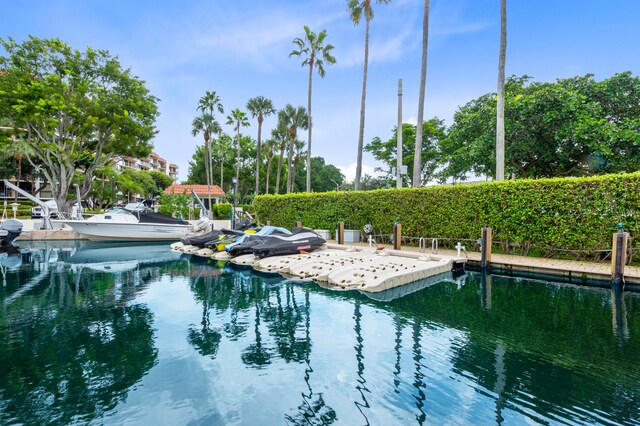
223 146
237 119
315 54
280 134
417 156
358 8
298 146
259 107
500 112
270 145
206 125
292 117
208 104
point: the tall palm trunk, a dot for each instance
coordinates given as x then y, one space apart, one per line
309 125
282 145
296 160
235 186
269 161
210 157
290 163
417 156
500 106
258 159
362 104
221 160
207 164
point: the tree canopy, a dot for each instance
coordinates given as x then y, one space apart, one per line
573 127
433 131
76 110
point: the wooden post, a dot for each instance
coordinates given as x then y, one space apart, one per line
619 256
268 223
340 236
397 235
299 224
487 240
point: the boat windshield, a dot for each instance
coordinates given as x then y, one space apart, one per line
117 210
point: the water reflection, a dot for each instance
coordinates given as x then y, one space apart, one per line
71 344
82 325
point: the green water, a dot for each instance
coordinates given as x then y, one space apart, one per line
104 334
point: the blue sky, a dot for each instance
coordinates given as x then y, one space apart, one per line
240 48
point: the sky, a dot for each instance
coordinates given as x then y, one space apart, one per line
240 48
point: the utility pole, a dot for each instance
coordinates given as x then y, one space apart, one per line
399 137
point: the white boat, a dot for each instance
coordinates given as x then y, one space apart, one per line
134 224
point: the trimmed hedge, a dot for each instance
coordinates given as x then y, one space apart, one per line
546 214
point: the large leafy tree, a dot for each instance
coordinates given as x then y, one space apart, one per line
292 118
572 127
315 54
238 119
417 163
433 131
68 104
259 107
324 177
357 10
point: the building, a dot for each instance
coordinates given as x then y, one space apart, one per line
217 194
154 162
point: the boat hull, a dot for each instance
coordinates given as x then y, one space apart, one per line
113 231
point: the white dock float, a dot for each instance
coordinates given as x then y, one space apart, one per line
387 273
202 252
348 268
278 264
177 246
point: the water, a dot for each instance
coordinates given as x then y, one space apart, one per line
110 334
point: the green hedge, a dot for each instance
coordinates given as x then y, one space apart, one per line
548 215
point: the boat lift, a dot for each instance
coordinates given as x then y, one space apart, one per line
46 220
204 212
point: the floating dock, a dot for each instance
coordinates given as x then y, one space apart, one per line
342 267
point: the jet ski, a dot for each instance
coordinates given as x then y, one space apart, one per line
228 236
245 243
201 240
301 240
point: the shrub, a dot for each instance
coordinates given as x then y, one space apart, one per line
551 215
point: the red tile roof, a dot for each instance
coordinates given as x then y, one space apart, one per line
177 188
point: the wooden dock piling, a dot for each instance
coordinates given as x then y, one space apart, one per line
397 235
487 240
619 256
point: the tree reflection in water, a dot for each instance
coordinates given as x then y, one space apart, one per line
313 410
490 349
72 345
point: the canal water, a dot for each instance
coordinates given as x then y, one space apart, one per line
138 335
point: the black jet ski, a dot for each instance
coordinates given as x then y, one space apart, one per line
302 240
246 243
204 239
200 240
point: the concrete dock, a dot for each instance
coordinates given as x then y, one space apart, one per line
568 269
